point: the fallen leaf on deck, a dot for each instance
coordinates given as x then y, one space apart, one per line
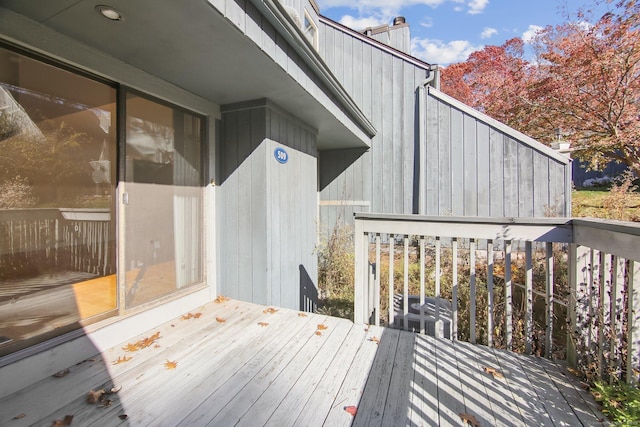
351 409
18 417
220 319
375 340
469 420
131 347
322 327
191 316
123 416
302 314
66 421
156 346
106 403
169 364
114 390
493 371
122 359
220 299
269 310
318 332
94 396
263 324
61 374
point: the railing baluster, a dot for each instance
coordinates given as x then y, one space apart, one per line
422 279
472 291
508 309
633 322
604 274
490 296
617 284
391 238
528 322
454 288
405 288
438 325
377 291
550 299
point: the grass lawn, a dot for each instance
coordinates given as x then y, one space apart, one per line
600 204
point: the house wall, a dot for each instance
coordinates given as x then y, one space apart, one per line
476 166
471 164
384 86
267 225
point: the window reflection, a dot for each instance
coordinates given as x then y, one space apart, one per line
163 218
57 229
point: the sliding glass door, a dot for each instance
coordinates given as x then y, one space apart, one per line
162 200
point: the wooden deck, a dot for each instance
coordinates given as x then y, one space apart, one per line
238 364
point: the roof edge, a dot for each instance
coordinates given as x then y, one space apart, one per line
536 145
277 16
391 50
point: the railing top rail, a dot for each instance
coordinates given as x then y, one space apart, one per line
632 228
461 219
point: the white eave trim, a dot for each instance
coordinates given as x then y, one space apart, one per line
538 146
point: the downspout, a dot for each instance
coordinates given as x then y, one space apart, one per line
422 131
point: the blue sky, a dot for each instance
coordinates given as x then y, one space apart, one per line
447 31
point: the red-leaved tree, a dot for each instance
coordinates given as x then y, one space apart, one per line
585 80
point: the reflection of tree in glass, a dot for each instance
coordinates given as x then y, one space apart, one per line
56 166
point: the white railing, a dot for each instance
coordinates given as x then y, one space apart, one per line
555 287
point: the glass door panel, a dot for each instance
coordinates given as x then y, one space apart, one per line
163 200
57 186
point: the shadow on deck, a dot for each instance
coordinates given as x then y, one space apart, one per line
235 363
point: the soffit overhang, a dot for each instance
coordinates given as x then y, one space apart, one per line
193 46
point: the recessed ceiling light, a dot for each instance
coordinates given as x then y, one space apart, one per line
109 13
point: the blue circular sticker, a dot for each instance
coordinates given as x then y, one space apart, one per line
281 155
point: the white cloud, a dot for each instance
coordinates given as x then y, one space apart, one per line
477 6
360 23
488 32
436 51
528 35
427 22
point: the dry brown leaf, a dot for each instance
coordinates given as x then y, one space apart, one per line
375 340
197 315
123 416
156 346
574 372
220 319
131 347
169 364
302 314
263 324
351 409
322 327
61 374
270 310
469 420
106 403
220 299
94 396
20 416
318 333
493 371
66 421
122 359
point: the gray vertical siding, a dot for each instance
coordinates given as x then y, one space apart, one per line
267 224
474 166
503 174
384 87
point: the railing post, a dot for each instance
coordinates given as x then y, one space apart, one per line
361 273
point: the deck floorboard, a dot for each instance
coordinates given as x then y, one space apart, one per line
241 364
